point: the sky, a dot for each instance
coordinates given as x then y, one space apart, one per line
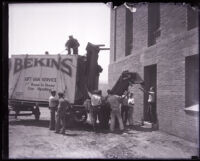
38 27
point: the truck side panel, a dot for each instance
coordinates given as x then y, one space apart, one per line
31 77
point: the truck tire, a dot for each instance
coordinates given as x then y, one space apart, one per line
37 117
36 112
80 116
16 113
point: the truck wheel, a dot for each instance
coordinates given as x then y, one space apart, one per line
16 113
36 112
37 117
80 117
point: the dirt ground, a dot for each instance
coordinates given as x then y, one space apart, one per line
31 139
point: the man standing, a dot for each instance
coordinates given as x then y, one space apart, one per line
115 102
131 103
152 107
61 113
104 113
53 103
124 107
95 107
72 44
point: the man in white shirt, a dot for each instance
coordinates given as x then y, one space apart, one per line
53 103
152 107
131 103
95 107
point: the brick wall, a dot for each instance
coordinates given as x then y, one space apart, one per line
169 52
140 27
120 31
112 35
173 19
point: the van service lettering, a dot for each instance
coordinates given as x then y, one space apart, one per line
61 64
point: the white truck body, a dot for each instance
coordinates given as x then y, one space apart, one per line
32 77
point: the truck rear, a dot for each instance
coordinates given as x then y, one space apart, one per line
32 77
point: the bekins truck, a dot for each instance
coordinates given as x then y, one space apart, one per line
32 77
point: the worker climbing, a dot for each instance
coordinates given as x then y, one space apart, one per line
73 44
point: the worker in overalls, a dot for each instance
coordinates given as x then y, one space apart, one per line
53 103
73 44
104 113
115 103
61 113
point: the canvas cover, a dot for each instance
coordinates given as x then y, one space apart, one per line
32 77
124 81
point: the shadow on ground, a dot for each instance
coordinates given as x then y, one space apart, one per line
30 122
77 126
140 128
45 123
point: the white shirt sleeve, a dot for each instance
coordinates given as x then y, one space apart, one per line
131 101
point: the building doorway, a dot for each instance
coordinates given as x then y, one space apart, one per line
150 79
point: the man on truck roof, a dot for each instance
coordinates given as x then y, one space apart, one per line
73 44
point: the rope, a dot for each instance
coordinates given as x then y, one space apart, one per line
62 51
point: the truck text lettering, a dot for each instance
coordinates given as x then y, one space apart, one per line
62 65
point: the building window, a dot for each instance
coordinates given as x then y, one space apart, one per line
191 80
153 23
192 18
129 32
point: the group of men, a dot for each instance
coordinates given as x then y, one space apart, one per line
111 107
116 109
58 107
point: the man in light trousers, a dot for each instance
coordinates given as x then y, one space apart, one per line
115 103
95 107
53 103
131 103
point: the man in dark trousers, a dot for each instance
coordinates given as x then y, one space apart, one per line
124 107
61 113
104 113
73 44
152 107
53 103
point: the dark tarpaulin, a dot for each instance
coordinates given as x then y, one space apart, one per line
81 80
91 71
125 80
87 73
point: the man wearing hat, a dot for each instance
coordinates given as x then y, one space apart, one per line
61 113
72 43
53 103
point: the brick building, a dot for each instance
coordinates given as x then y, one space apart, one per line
160 42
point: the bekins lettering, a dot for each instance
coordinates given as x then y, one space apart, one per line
61 64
